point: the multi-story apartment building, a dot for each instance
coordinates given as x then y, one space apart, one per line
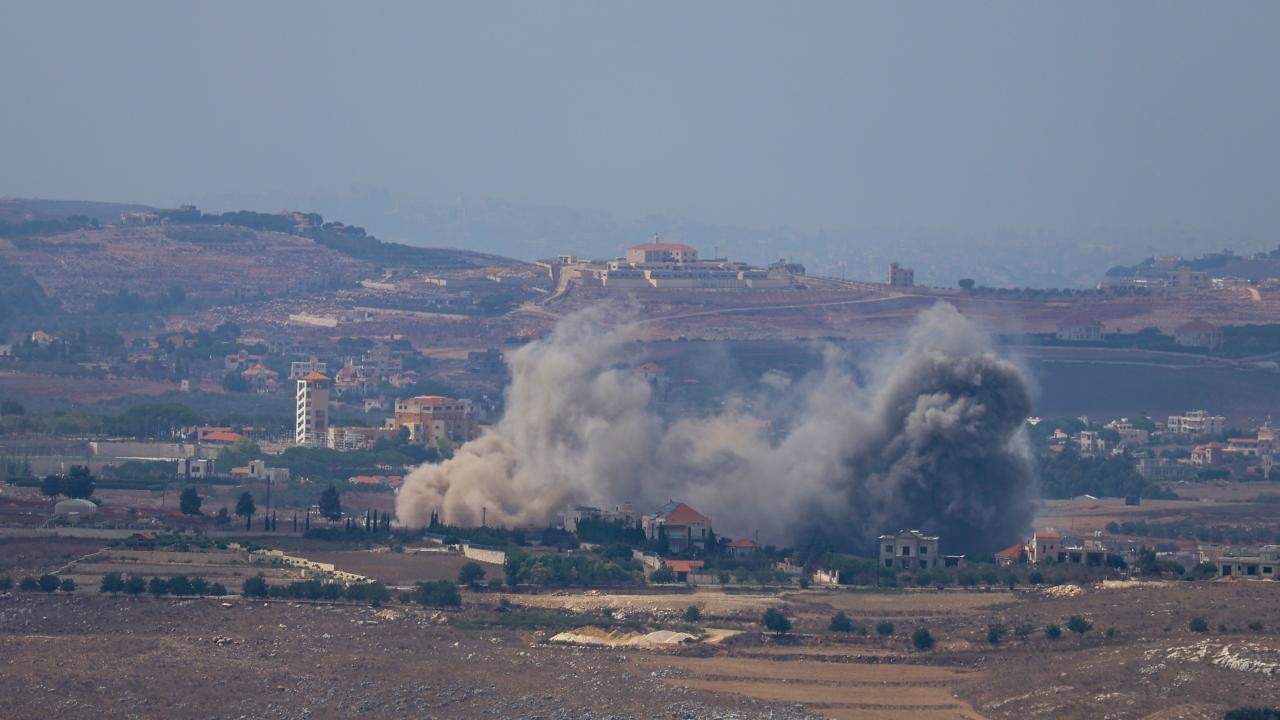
312 428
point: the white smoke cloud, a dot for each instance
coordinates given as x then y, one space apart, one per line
931 439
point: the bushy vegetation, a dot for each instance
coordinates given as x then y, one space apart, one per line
437 593
1227 534
922 639
841 623
1198 625
1052 631
775 622
1067 474
884 628
569 570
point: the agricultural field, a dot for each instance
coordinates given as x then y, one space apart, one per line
279 659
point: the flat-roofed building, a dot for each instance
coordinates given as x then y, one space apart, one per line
432 418
910 550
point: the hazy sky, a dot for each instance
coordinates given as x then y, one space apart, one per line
813 115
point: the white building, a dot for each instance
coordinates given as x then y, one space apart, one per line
312 429
910 550
299 368
1196 422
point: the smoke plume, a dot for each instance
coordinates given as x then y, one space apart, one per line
930 438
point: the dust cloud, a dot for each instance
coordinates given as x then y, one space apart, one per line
930 437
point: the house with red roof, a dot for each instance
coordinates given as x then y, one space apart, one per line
742 547
1012 555
683 568
683 527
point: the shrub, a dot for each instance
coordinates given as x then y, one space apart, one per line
157 586
135 585
29 584
1222 627
774 621
112 582
406 598
438 593
48 583
1053 632
1079 625
723 577
691 614
504 605
663 575
841 623
1035 578
1023 631
884 628
6 583
217 589
921 639
179 585
995 633
1198 625
199 586
1256 626
255 587
67 585
471 574
1110 633
804 583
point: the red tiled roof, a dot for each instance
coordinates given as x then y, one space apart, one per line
314 376
222 436
683 565
684 514
742 543
1013 552
1048 535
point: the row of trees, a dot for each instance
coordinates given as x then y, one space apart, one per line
374 593
44 583
180 585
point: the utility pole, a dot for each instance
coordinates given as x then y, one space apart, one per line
484 511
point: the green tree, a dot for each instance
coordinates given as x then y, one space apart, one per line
471 574
692 614
1198 625
49 583
190 501
775 622
1023 631
51 486
135 585
157 586
79 483
922 639
179 585
438 593
330 503
1079 625
67 585
884 628
995 633
966 283
6 583
217 590
663 574
199 586
254 587
28 584
246 508
840 623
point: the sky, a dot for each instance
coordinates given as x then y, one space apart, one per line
979 115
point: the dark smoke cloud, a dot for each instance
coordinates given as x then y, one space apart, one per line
931 440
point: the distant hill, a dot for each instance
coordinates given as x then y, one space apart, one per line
91 261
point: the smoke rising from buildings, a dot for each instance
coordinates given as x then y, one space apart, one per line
930 438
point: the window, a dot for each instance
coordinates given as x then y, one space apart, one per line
924 549
1266 569
906 551
924 564
888 563
888 549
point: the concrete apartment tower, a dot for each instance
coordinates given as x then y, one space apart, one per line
313 410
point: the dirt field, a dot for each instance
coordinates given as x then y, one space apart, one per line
400 568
